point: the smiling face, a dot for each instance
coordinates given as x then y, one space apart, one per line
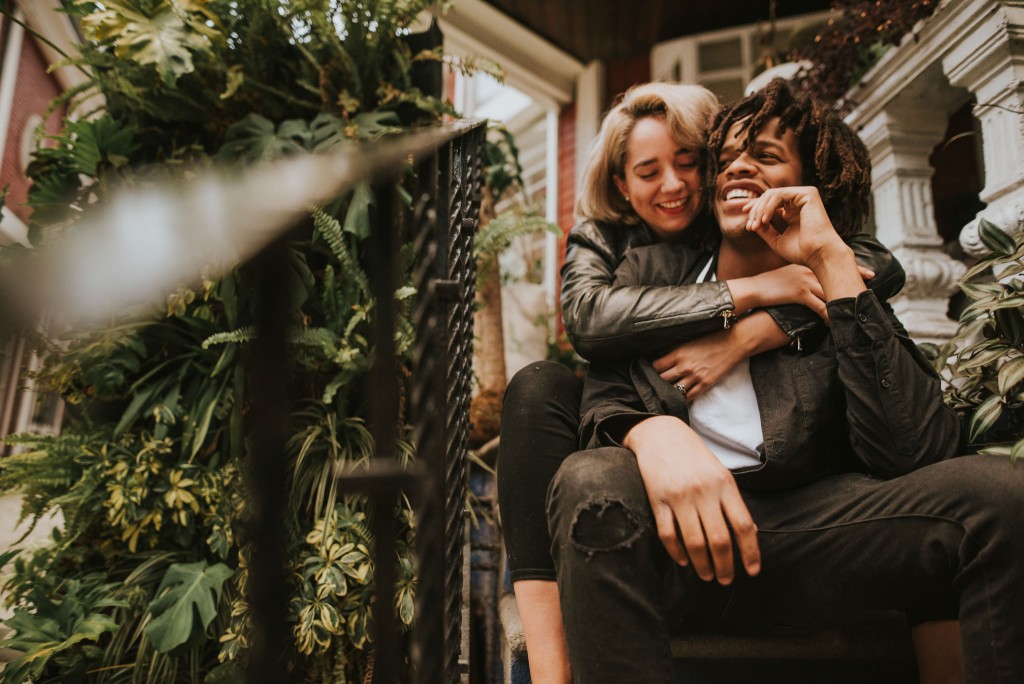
772 160
661 180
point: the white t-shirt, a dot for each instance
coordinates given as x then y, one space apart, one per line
727 416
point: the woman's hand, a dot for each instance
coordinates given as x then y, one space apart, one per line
698 365
696 504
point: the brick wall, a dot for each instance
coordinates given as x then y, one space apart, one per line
34 90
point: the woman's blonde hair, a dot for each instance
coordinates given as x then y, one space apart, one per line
687 109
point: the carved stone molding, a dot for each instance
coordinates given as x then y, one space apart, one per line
932 278
968 48
899 141
989 62
1007 215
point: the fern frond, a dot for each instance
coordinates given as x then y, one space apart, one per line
329 228
244 334
316 337
498 234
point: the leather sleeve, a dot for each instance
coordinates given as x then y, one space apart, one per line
607 322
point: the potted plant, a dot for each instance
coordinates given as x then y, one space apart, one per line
983 365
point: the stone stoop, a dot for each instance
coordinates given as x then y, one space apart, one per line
880 655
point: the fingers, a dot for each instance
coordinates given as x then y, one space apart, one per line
670 535
692 533
764 208
692 385
702 535
865 272
744 531
719 544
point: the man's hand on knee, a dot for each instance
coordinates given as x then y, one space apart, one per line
696 504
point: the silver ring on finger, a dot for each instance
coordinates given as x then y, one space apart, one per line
681 387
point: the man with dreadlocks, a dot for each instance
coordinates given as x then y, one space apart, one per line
826 467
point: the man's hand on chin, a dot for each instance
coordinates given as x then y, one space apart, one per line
794 223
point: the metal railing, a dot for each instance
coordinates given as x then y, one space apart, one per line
440 225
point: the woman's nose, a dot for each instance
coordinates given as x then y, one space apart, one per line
672 181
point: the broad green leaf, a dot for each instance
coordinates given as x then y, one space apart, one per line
370 125
984 358
327 132
208 403
163 39
985 416
978 290
357 218
997 240
254 139
187 589
53 627
1010 374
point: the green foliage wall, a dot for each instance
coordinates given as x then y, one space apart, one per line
146 581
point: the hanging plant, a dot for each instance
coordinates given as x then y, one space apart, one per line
852 40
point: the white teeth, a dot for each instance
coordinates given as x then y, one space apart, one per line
740 193
672 205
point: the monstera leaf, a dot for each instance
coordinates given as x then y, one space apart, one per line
166 38
254 138
185 589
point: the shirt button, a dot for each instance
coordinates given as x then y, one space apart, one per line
863 318
886 384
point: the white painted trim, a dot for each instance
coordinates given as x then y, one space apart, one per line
9 76
551 209
590 94
12 229
532 64
684 50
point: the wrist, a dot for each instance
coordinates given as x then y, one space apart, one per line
745 294
831 255
650 432
835 267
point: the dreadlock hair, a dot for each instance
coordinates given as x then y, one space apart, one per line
834 158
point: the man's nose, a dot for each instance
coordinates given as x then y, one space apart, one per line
741 165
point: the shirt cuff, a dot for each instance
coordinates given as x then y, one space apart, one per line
858 321
612 430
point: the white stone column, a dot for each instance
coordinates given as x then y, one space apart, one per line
900 140
989 62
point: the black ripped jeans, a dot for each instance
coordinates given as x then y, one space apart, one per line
839 551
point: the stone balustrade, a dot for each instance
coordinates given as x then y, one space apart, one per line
969 50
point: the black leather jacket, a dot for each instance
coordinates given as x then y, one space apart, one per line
605 322
857 396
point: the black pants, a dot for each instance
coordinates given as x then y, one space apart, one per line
835 552
539 425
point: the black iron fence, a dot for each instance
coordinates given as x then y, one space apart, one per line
440 225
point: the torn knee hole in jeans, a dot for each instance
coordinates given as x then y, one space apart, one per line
606 525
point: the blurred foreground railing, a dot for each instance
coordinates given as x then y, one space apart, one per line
440 224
